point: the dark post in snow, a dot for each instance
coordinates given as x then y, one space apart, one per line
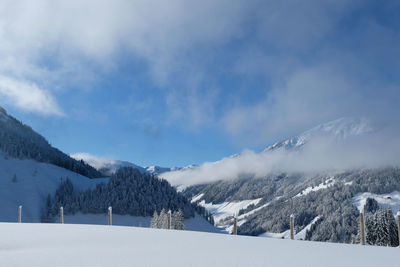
291 223
19 214
398 225
234 232
61 215
169 219
109 215
362 233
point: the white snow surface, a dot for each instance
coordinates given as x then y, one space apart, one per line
227 209
286 234
38 245
391 200
197 223
331 181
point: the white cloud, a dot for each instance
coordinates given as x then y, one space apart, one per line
28 97
71 35
321 154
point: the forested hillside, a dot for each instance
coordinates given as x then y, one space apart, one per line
128 191
328 196
20 141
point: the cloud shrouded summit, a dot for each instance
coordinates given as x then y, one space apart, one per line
339 145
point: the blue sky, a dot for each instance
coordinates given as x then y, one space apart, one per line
185 82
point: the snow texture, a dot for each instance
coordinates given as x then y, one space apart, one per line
38 245
227 209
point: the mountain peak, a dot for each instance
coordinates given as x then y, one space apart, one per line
341 128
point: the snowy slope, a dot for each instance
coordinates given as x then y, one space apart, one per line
78 245
34 181
338 129
286 234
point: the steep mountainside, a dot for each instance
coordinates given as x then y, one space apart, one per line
20 141
323 202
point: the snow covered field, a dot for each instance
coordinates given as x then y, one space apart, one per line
92 245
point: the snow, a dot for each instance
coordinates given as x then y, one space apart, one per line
197 198
227 209
286 234
391 200
83 245
34 182
339 129
196 223
331 181
243 216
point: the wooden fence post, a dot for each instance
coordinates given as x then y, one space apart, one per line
291 226
398 225
234 232
169 219
61 215
362 233
19 214
109 215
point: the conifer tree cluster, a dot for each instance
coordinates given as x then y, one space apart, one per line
160 221
128 191
381 228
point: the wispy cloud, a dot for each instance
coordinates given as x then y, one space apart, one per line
28 97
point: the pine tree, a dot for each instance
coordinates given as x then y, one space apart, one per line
178 220
381 229
154 221
163 220
393 239
371 230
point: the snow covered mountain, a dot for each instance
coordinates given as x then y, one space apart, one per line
263 197
110 166
105 166
339 129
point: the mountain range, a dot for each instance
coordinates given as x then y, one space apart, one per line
252 186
